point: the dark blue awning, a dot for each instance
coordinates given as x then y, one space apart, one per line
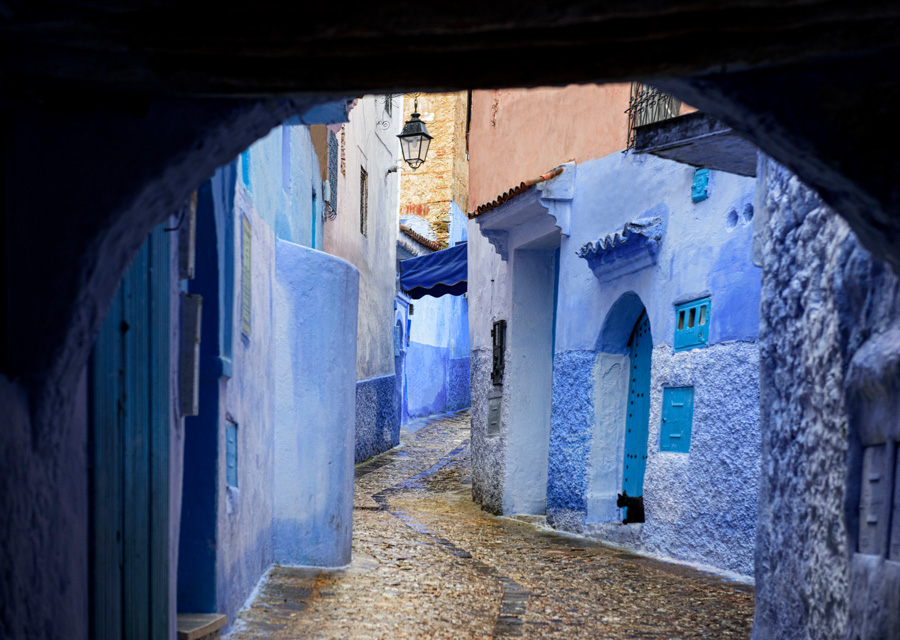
436 274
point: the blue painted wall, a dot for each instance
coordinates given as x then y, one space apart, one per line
258 380
368 142
699 505
314 406
437 360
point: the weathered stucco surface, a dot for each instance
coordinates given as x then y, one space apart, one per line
824 298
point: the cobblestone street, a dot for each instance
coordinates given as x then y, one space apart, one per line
428 563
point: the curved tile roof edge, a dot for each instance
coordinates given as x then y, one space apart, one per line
426 242
519 189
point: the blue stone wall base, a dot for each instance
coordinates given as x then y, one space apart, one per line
459 394
377 417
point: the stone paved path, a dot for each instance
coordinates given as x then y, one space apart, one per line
428 563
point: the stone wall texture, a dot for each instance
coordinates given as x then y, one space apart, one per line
571 430
823 299
458 388
377 417
487 451
444 177
701 506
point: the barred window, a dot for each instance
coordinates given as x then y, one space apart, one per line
363 201
648 105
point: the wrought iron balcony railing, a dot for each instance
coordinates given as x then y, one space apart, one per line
648 105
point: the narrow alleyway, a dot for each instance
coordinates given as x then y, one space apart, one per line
428 563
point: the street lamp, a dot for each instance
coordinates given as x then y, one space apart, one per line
414 139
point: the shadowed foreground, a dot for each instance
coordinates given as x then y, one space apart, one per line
428 563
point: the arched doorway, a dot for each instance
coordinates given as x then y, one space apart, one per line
621 400
637 421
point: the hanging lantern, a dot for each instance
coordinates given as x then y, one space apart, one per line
414 140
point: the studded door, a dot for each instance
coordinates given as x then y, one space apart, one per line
637 420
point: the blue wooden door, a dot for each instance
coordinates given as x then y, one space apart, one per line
637 421
129 475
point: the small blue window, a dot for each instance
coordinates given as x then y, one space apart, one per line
692 324
245 168
231 454
677 416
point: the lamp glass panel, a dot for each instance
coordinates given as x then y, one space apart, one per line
414 143
424 150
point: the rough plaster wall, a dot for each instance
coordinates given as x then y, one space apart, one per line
315 309
488 452
377 417
571 420
377 149
701 506
705 251
489 291
823 296
43 529
458 393
245 513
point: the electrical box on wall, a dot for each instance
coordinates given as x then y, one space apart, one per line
493 424
677 419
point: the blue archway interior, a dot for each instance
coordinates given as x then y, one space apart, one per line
619 324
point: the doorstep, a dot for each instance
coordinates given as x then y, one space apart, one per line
200 626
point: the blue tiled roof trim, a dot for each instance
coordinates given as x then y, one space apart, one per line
633 247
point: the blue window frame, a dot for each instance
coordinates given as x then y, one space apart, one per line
677 417
692 324
231 454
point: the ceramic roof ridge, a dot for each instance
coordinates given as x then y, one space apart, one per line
427 242
519 189
639 227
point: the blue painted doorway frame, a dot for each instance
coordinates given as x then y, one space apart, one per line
637 421
129 446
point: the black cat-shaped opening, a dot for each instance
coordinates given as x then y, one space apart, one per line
635 506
